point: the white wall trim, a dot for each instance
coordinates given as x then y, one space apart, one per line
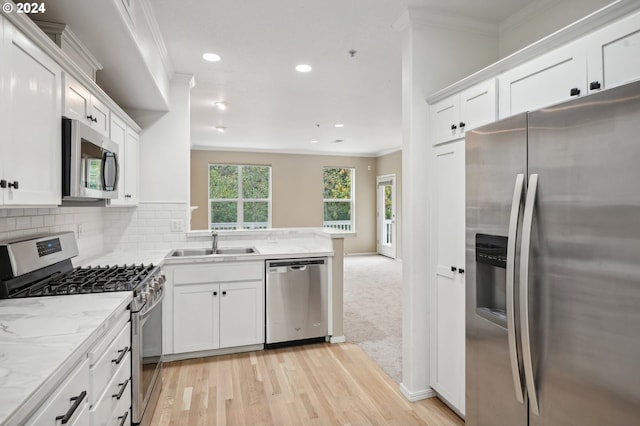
337 339
426 17
196 147
150 17
417 395
388 151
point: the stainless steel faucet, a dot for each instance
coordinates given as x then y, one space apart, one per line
214 242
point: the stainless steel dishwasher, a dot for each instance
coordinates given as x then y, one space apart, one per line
296 300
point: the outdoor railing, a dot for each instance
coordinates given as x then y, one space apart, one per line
221 226
343 225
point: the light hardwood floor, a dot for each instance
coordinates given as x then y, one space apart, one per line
320 384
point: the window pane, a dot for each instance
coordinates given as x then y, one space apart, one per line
223 181
337 183
255 182
256 214
224 214
387 202
337 210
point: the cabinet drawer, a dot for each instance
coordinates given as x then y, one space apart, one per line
111 361
110 331
117 394
62 402
232 271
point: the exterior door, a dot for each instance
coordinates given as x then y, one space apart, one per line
386 213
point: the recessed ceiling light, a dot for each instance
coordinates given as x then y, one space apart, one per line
221 105
339 125
314 141
211 57
303 68
221 129
338 141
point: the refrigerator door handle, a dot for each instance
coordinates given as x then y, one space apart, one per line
527 224
511 258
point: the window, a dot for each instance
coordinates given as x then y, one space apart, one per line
239 196
339 198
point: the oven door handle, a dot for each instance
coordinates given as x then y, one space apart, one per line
146 311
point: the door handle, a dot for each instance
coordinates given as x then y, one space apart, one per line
511 258
527 224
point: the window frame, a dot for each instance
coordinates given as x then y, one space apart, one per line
351 199
240 200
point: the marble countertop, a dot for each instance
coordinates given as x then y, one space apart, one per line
41 339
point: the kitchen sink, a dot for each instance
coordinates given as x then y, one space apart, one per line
209 252
236 250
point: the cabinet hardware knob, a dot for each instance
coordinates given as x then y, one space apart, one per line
77 400
595 85
453 127
460 270
90 117
14 184
215 293
574 92
3 183
95 120
453 269
462 124
224 293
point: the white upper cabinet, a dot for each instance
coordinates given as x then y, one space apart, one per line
128 143
80 104
546 80
30 119
452 116
614 54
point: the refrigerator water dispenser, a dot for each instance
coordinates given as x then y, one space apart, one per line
491 277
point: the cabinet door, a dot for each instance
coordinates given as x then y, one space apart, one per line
478 105
118 134
544 81
130 167
241 313
196 317
77 99
31 136
614 54
445 120
448 227
100 116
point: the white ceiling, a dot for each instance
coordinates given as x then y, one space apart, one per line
271 106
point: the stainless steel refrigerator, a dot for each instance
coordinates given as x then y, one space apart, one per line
553 265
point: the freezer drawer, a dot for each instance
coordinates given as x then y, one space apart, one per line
296 299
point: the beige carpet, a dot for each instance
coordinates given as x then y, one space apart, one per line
373 309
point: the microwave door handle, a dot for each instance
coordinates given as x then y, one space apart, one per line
106 184
511 255
527 223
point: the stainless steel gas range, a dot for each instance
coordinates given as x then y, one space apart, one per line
41 266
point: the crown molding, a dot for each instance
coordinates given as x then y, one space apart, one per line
196 147
150 18
421 17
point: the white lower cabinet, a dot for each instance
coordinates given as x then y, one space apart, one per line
217 306
448 281
98 390
69 404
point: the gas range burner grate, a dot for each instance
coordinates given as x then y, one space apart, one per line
97 279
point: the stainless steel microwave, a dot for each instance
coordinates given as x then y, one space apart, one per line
89 163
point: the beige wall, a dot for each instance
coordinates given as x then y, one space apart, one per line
297 190
387 165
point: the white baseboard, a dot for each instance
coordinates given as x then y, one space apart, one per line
416 396
337 339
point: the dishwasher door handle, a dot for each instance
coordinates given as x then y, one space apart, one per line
298 268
